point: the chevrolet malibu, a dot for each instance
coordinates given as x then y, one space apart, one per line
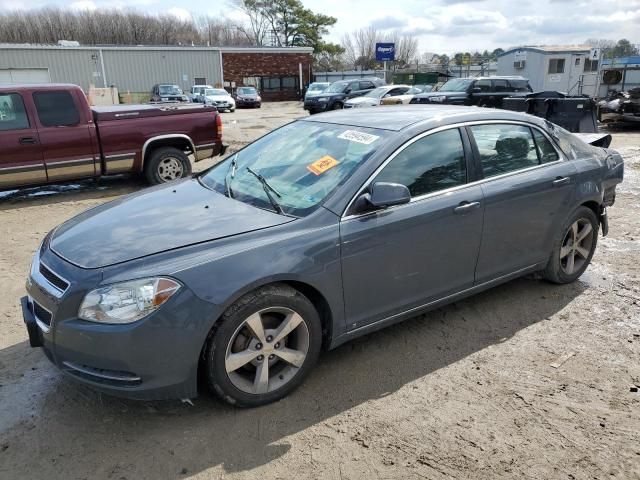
323 230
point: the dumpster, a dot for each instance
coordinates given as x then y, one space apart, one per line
574 113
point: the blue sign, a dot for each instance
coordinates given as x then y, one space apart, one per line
385 52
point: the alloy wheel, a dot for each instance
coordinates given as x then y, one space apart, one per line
170 168
576 246
267 350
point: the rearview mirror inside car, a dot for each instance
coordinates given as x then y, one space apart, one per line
385 194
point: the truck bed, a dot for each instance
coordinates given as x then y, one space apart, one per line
119 112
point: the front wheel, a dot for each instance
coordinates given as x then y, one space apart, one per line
337 106
263 347
574 247
166 164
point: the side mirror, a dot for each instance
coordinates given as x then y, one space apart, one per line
476 90
347 91
384 194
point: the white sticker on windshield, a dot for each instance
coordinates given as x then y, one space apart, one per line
360 137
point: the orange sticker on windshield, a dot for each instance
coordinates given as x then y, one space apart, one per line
320 166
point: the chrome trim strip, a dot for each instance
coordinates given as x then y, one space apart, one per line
442 299
87 371
66 162
205 145
164 137
23 168
561 156
119 155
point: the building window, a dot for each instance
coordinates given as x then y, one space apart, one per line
590 65
556 65
279 84
577 61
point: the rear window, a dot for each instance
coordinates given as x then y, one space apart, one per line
56 109
520 85
12 113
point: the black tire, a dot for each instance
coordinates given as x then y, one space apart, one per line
225 334
156 172
557 270
337 106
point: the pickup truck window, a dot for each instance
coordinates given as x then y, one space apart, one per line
56 109
12 113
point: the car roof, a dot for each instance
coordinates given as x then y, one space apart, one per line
430 116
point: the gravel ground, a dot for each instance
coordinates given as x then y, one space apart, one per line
528 380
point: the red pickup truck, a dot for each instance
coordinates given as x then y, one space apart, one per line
48 133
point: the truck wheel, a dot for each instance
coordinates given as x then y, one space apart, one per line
264 345
167 164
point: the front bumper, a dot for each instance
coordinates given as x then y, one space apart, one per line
154 358
316 107
247 103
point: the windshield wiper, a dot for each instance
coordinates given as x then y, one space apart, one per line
268 189
232 170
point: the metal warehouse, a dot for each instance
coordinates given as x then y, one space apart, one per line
277 72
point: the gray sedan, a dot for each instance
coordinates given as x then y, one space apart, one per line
321 231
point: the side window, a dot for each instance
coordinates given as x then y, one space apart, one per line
556 65
504 148
432 163
483 85
545 149
12 113
56 109
501 86
365 86
398 91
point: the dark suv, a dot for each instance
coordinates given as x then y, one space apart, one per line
334 96
166 92
481 91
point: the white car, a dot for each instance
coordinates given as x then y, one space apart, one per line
196 91
406 97
218 97
375 96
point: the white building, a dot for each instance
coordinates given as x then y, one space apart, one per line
558 68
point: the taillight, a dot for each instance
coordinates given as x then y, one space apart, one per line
218 125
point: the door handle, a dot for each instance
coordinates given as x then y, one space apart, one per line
28 141
466 207
559 181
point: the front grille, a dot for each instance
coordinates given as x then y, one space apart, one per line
42 314
58 282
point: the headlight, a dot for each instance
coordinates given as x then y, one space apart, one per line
259 99
128 301
323 99
164 99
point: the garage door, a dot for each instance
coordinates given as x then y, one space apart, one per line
25 75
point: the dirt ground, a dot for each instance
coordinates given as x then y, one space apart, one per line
528 380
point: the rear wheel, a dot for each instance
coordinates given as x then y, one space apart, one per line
263 347
166 164
574 247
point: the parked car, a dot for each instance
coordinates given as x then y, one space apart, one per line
49 134
480 91
247 97
374 97
196 91
168 93
337 93
406 97
316 88
219 98
321 231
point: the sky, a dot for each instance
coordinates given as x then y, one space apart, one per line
442 26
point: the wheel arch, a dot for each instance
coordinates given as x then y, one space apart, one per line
178 140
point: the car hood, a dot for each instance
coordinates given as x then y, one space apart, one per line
249 96
219 98
154 220
363 100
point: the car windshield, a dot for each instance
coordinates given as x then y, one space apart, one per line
170 90
247 91
303 161
317 87
377 92
456 85
338 87
213 92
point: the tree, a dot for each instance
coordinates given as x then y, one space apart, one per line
624 48
496 53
